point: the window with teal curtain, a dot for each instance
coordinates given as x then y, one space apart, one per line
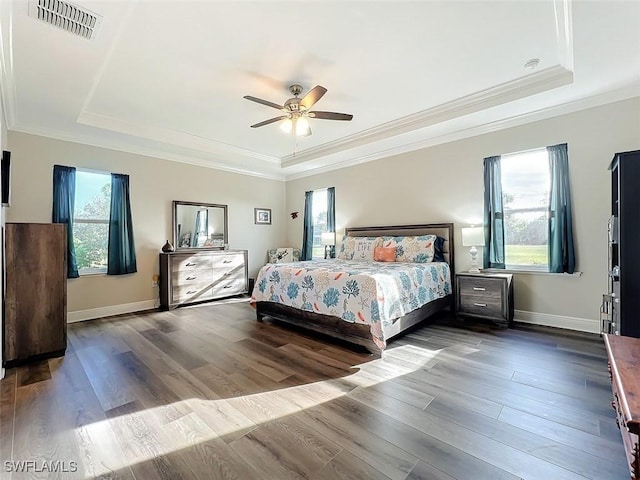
307 233
493 255
64 194
561 250
122 252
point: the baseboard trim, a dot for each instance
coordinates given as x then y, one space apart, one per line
559 321
82 315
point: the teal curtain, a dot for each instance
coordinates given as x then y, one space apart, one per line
493 255
202 226
307 233
561 251
122 251
331 216
64 199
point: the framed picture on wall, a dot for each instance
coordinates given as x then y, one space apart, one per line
262 216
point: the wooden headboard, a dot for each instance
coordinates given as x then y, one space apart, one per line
444 230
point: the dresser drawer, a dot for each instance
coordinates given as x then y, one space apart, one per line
188 263
486 287
230 285
225 263
491 307
191 293
192 277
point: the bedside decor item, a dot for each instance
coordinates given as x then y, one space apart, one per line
262 216
328 239
488 296
168 247
472 237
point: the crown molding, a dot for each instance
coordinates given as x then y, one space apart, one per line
147 152
538 82
625 93
172 137
7 86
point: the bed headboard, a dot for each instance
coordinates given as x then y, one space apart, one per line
444 230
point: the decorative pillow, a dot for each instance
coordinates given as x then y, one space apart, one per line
382 254
438 254
282 255
414 249
358 248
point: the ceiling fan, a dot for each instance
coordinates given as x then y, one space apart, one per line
297 111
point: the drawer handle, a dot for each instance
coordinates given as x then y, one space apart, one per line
189 264
479 289
191 278
227 261
228 286
191 291
480 304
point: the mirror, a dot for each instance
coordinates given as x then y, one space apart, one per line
199 225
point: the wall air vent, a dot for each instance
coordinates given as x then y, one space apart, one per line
67 16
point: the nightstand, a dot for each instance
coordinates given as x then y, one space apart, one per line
485 295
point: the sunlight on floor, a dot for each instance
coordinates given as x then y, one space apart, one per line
192 421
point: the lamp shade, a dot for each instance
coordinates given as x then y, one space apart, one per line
472 236
328 238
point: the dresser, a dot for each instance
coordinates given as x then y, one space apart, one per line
485 295
35 301
624 364
187 277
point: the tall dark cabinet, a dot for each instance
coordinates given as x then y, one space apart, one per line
35 316
621 304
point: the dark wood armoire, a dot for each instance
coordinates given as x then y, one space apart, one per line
623 299
35 316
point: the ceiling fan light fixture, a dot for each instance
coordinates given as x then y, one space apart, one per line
302 127
287 125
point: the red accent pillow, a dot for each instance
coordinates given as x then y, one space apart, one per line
384 254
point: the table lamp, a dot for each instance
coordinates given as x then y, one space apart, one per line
328 239
472 237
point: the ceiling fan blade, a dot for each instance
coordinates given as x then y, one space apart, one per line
264 102
312 97
331 115
271 120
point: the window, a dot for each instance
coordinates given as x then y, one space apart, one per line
526 183
319 213
91 221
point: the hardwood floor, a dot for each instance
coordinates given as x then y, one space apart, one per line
206 392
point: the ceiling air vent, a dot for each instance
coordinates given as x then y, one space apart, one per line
67 16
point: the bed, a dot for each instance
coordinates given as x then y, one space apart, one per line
362 302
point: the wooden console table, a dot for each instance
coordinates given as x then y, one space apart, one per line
624 364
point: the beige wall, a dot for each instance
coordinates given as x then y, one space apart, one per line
445 184
154 184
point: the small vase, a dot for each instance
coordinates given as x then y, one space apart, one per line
167 247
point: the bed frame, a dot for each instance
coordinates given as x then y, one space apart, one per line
358 333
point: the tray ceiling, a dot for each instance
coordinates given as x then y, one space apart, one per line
166 78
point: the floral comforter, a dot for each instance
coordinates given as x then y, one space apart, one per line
373 293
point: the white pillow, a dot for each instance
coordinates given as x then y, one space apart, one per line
359 249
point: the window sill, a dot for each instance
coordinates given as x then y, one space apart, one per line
92 273
529 272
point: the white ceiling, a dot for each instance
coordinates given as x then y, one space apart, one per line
166 78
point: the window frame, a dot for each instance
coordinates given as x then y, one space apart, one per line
543 268
316 234
91 221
